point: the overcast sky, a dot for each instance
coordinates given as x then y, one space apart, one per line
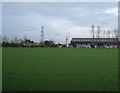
58 19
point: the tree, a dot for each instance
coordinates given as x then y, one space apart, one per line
20 41
42 44
104 34
93 31
53 45
5 39
12 41
116 33
15 39
98 31
24 38
108 33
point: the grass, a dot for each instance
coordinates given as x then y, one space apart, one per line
60 69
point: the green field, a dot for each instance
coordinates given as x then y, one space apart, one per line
60 69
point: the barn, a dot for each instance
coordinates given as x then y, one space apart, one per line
95 42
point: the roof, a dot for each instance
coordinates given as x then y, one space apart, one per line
94 40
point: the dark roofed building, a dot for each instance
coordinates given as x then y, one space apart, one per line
95 42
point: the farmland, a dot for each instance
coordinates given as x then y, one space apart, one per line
59 69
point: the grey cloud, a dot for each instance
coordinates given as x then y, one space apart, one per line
57 18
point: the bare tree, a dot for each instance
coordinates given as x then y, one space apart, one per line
20 40
101 35
98 32
15 39
108 33
5 39
104 33
12 41
93 31
116 33
24 38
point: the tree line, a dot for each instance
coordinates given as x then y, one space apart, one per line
98 32
25 42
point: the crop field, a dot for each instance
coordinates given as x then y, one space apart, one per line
59 69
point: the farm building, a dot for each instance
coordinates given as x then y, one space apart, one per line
95 42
